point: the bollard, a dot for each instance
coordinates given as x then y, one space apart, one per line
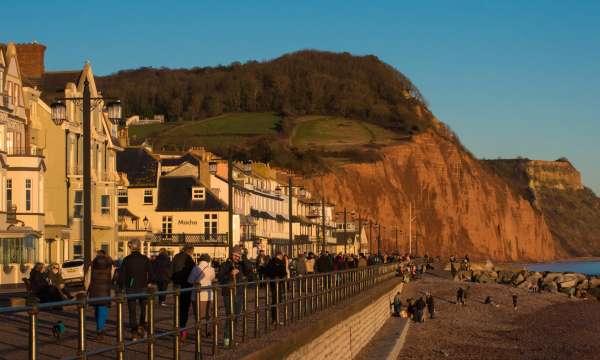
81 351
198 327
215 320
256 313
176 323
150 334
120 341
33 318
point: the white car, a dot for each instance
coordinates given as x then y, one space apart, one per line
72 271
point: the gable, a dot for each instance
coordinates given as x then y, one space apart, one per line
185 169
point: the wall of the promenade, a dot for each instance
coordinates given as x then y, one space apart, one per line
347 338
339 333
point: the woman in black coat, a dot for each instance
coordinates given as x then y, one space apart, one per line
100 286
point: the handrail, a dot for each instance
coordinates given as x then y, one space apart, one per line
285 301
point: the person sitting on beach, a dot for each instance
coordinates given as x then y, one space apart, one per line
460 296
397 304
410 308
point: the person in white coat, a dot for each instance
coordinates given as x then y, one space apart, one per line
203 275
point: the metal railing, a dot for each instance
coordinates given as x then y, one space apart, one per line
237 310
24 151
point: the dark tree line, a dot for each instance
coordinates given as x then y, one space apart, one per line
304 82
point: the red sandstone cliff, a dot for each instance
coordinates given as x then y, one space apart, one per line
462 207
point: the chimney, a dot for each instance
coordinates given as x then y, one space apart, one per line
31 60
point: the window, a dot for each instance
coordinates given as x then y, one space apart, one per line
105 204
210 224
78 204
148 200
198 193
122 198
28 194
8 193
77 250
18 250
167 226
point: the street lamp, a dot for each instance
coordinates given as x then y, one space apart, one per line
145 221
59 115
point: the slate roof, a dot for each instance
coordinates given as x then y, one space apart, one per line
53 84
175 194
141 167
180 160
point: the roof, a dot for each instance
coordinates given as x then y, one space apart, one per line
176 161
126 213
53 83
139 165
175 194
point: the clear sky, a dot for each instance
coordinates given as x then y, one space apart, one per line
510 77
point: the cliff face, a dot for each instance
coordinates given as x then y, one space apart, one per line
571 211
461 206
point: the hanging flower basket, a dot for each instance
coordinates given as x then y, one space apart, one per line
7 268
25 268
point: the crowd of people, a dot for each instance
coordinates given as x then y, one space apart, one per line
136 273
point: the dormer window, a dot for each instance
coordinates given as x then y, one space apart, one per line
198 193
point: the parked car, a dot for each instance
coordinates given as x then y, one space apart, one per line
72 271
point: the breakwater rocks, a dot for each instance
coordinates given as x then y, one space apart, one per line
572 284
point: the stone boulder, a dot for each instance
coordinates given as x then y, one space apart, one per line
482 266
595 292
583 284
594 282
505 277
550 287
524 285
551 277
517 279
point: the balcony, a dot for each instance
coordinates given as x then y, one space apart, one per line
24 151
7 102
11 214
161 239
314 213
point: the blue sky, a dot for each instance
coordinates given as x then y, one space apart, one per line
510 77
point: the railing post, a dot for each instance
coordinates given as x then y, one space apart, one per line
277 292
176 323
33 318
231 315
81 350
256 308
215 319
245 318
120 341
267 305
198 328
300 300
286 291
150 336
294 310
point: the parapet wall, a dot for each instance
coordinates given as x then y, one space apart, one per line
340 333
346 339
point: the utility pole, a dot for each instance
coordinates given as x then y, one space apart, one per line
378 239
291 246
370 237
345 231
323 223
230 199
411 219
396 231
87 176
359 233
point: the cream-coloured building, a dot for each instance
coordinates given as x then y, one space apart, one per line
22 176
166 201
63 147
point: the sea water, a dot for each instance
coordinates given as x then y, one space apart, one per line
584 267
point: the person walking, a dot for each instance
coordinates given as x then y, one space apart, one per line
310 263
262 261
420 305
100 286
324 263
183 263
161 270
276 271
430 305
233 272
397 304
301 265
202 276
460 296
135 276
514 301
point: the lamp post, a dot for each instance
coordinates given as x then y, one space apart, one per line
59 115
